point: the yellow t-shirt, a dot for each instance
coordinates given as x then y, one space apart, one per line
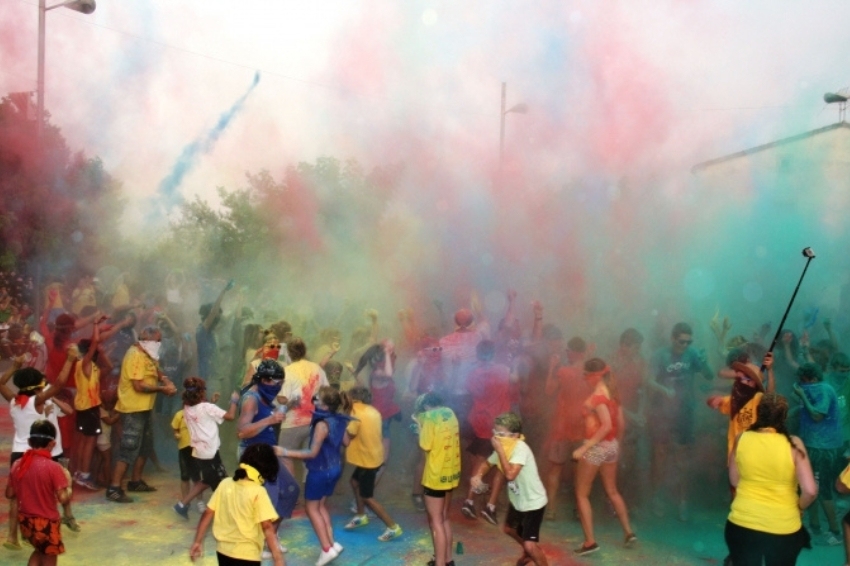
439 437
240 507
366 449
137 366
742 421
178 424
88 388
766 498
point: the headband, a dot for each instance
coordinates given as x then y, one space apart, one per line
599 373
32 387
47 436
252 473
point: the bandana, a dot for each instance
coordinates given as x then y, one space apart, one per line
29 457
21 400
252 473
268 391
509 444
151 348
595 377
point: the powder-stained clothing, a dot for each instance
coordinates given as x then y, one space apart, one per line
826 432
675 418
530 493
330 453
490 386
203 421
366 449
740 422
841 383
591 418
136 366
439 437
36 489
24 416
240 508
766 498
88 388
303 380
572 390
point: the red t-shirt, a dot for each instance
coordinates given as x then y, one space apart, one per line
567 421
591 418
490 387
36 490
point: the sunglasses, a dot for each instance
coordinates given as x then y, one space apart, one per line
685 342
273 347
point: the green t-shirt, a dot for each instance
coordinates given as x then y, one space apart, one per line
529 494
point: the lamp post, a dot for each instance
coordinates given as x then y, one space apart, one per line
520 108
84 6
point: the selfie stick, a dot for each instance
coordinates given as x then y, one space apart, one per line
810 255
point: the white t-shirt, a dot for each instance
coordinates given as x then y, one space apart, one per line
23 417
530 495
202 420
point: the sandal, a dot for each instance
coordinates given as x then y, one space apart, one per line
9 545
71 523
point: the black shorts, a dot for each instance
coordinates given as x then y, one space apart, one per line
211 471
225 560
188 469
88 421
439 493
480 447
365 478
525 523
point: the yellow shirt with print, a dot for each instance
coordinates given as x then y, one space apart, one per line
137 366
439 437
240 507
742 421
178 424
366 449
88 388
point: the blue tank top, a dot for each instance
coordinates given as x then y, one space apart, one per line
265 436
329 456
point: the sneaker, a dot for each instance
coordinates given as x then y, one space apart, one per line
182 510
201 507
833 539
11 545
631 540
326 557
71 523
468 509
583 550
86 481
391 533
139 486
418 502
433 562
357 521
117 495
489 513
267 554
338 547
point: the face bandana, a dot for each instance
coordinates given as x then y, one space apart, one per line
151 347
509 444
268 391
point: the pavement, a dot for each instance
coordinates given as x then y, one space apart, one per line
148 531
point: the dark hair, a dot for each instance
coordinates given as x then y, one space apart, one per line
205 310
510 421
194 391
839 360
373 356
281 328
42 433
681 328
335 399
737 355
251 337
430 399
631 337
84 345
150 333
268 369
360 393
26 379
577 345
262 458
485 350
809 372
297 349
772 412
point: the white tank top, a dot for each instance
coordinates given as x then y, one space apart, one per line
23 417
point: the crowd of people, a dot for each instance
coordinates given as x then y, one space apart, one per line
523 407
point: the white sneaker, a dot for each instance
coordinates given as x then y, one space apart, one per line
201 506
327 557
283 549
267 554
338 547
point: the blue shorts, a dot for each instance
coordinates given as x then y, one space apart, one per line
321 483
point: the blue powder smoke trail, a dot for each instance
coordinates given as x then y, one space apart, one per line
167 191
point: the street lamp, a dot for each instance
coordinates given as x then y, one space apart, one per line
839 98
84 6
520 108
